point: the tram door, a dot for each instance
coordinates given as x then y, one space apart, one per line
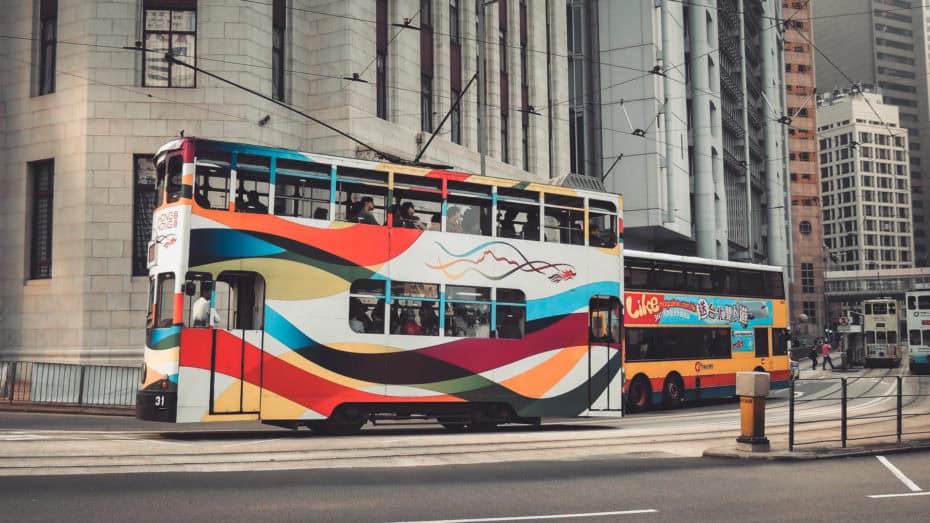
605 381
236 370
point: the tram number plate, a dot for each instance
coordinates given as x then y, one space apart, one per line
160 402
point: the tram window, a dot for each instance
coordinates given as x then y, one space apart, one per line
301 197
469 208
868 308
239 300
602 219
923 302
164 307
517 213
869 337
212 183
511 313
564 219
352 185
880 308
779 342
175 167
762 342
198 295
414 308
911 303
914 337
892 337
425 195
926 333
149 315
366 306
468 311
160 183
254 175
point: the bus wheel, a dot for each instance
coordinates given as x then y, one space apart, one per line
638 397
673 392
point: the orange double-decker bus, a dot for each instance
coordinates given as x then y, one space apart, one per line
692 323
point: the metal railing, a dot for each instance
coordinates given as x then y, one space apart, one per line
68 384
873 416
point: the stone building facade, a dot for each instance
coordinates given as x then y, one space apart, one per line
83 109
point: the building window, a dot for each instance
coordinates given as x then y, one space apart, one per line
805 227
169 27
48 29
426 104
381 57
807 278
42 179
524 86
455 70
143 201
426 66
575 88
279 19
504 80
456 118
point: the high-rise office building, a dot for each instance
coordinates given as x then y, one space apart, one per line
865 182
808 261
883 43
678 105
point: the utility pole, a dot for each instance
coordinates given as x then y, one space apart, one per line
482 92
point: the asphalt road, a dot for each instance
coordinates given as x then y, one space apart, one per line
626 489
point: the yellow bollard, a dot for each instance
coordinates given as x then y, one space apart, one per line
752 389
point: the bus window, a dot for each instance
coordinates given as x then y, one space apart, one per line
469 208
212 183
511 313
779 342
762 342
676 343
774 285
198 294
636 276
468 311
254 177
239 301
173 189
366 306
414 308
352 185
602 218
301 197
699 280
164 307
751 283
517 213
564 219
425 196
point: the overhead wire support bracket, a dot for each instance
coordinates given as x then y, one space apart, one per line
455 105
390 157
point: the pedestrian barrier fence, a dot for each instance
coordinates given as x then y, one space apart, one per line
68 384
880 409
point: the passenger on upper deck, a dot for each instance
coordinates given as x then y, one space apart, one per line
252 204
594 236
363 211
408 218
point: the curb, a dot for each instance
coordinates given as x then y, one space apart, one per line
809 455
65 409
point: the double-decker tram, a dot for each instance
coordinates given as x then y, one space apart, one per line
692 323
917 320
303 289
880 323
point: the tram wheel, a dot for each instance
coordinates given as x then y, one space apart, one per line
638 397
673 392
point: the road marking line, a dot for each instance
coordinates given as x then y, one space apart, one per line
898 474
549 516
909 494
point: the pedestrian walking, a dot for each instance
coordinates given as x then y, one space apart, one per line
825 350
813 355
